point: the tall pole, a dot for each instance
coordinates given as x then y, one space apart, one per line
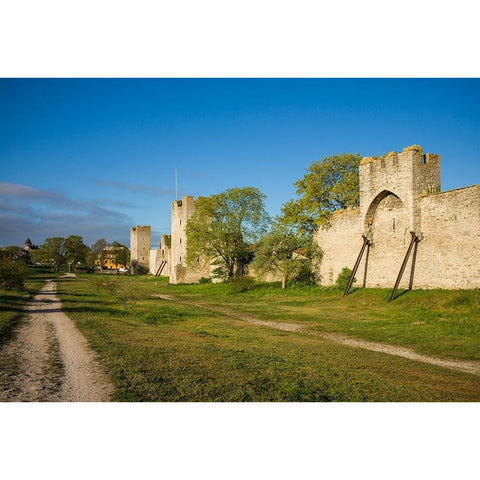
414 240
176 185
366 243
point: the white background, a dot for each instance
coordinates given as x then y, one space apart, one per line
239 39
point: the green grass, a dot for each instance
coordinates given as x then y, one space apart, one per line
434 322
157 350
12 302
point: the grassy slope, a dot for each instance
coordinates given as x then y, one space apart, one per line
435 322
158 350
12 302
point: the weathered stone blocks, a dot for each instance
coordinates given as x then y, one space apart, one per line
399 193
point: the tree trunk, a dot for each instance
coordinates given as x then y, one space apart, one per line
284 282
231 270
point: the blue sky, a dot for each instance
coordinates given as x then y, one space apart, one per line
93 157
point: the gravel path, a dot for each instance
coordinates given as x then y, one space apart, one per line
49 359
472 367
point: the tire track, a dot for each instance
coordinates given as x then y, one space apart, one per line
49 359
472 367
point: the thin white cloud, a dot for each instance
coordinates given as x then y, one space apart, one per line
29 212
16 190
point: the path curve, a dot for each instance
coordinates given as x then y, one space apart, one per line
472 367
49 359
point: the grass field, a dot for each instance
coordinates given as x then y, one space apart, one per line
156 350
434 322
13 301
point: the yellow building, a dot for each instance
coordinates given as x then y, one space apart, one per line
108 255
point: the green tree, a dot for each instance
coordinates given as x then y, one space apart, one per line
15 253
12 273
75 251
221 227
284 253
52 251
121 254
328 185
98 251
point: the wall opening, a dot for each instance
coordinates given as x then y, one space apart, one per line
387 227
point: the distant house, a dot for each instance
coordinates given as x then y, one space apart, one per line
107 258
29 245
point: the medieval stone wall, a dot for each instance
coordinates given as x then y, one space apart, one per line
399 195
340 242
161 257
154 261
449 254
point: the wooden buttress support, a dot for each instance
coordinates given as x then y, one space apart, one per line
366 243
160 268
413 241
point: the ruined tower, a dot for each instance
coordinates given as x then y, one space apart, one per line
140 238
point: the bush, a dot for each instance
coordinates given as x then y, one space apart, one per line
12 274
241 284
120 289
138 268
343 278
142 270
204 280
305 276
84 268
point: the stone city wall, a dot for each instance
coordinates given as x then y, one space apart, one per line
399 195
161 257
340 242
449 254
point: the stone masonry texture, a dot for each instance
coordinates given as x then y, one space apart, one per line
181 211
140 237
399 194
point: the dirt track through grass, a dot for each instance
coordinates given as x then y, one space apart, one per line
471 367
48 359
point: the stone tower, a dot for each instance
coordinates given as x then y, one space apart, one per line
181 211
391 190
140 238
404 177
400 193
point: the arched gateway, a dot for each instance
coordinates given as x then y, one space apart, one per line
402 210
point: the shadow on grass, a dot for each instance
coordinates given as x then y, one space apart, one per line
398 295
9 330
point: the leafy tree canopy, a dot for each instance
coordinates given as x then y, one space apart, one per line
14 253
12 274
222 226
75 251
121 254
328 185
98 247
283 252
52 251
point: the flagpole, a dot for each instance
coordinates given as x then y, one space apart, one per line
176 185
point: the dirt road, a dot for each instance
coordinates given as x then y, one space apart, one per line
48 359
472 367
